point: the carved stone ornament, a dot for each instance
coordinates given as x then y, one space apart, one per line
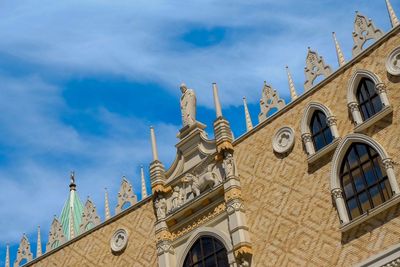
283 140
160 205
393 62
315 66
24 251
89 217
229 165
269 100
364 30
337 193
164 247
125 195
388 163
56 235
119 240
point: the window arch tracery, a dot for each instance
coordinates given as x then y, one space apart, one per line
207 251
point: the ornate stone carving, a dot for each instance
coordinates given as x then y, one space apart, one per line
119 240
283 140
235 205
393 263
306 137
393 62
388 163
337 193
353 106
380 88
24 251
315 66
56 235
364 30
164 247
269 100
188 106
125 195
89 217
160 205
331 120
229 165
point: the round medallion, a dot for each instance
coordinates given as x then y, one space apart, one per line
119 240
283 140
393 62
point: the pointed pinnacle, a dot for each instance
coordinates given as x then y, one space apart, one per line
106 205
39 244
144 191
292 89
392 14
249 124
339 52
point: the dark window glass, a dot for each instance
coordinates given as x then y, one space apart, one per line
320 131
207 252
368 99
365 183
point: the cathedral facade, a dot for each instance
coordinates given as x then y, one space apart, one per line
314 184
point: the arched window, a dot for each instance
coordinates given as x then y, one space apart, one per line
207 251
363 179
368 99
320 131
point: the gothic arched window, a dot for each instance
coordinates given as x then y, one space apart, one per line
363 179
207 251
320 131
368 99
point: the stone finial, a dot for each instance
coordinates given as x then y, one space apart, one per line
144 190
153 144
38 244
339 52
218 110
24 251
315 66
7 256
106 205
249 124
125 195
71 224
270 99
56 235
364 30
393 18
90 218
292 89
72 185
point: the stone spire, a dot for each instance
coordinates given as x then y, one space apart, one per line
339 52
153 144
218 110
249 124
392 15
106 205
71 224
24 251
292 89
144 191
39 244
8 256
157 170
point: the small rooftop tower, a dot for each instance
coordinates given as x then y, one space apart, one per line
72 210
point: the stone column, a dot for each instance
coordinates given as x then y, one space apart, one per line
355 112
388 165
337 194
306 137
331 121
236 213
165 250
381 91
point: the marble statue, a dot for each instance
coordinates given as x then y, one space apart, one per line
161 207
229 165
176 197
188 106
199 184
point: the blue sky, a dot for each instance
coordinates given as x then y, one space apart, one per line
82 81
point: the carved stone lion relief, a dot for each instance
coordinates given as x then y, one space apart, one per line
119 240
393 62
283 140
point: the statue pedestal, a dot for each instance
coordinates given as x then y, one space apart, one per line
185 131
